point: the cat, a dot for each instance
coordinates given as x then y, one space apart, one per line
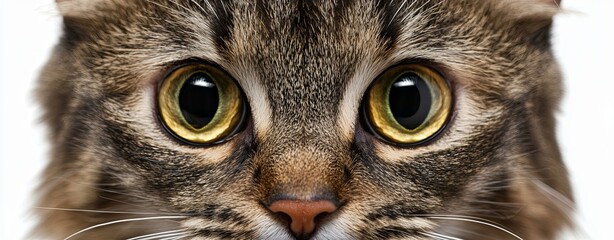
349 119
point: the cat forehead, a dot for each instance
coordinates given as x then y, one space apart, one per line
302 36
303 57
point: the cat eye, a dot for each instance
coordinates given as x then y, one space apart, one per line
408 104
201 104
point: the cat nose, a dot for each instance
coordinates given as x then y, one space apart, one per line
303 214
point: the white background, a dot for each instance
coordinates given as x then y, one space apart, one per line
584 44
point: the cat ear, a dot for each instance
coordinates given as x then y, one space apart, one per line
80 8
532 18
555 2
530 9
81 17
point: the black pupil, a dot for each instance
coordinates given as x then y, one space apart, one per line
410 100
199 100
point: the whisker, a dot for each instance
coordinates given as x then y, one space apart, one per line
474 220
441 236
567 205
122 221
432 235
100 187
177 237
109 212
495 209
157 235
470 233
118 201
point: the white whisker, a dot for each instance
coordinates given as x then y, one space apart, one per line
157 235
568 205
122 221
104 211
176 237
100 187
441 236
433 236
458 218
166 236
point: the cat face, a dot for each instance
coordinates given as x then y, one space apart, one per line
305 130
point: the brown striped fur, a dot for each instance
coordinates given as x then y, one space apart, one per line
304 67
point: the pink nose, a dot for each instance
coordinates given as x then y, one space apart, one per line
302 213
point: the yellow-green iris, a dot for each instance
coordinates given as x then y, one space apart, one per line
408 104
200 104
